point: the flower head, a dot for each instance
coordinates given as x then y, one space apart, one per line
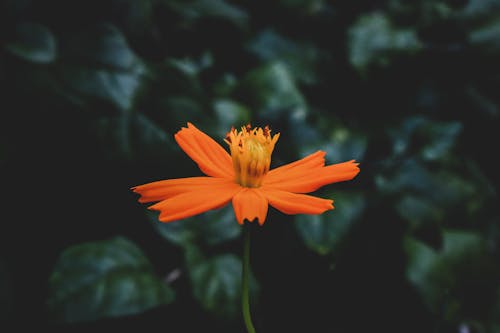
251 151
244 177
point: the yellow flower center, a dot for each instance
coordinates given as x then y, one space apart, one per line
251 151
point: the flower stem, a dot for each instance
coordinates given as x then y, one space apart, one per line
246 272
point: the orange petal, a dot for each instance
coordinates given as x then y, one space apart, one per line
292 203
211 158
164 189
305 181
195 202
250 204
284 172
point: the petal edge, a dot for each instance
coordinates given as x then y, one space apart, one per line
195 202
293 203
305 181
212 159
164 189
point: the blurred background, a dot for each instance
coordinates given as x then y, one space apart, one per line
93 91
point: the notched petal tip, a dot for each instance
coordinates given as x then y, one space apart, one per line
356 167
330 205
154 207
247 219
137 188
250 204
242 221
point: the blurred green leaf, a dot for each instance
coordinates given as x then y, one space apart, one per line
486 34
216 285
33 42
115 87
199 9
423 13
345 145
300 58
271 91
184 109
430 139
100 65
479 8
482 102
182 233
442 138
324 233
104 279
148 139
304 6
134 16
303 134
180 76
173 95
212 228
221 226
373 40
190 66
340 143
456 280
133 136
419 210
103 45
423 196
230 113
225 85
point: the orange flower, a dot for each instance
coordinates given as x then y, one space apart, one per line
243 178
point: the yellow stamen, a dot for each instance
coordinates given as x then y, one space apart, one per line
251 151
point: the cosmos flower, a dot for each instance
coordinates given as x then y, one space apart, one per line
243 177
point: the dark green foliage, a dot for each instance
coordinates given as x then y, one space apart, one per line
216 284
33 42
271 91
457 280
104 279
92 93
324 233
211 228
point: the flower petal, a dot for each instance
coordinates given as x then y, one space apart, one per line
307 164
250 204
211 158
304 181
292 203
164 189
195 202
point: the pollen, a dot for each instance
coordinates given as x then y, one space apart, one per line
251 150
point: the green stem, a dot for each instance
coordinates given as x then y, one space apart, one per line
246 272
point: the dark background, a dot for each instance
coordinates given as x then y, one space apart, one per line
93 91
